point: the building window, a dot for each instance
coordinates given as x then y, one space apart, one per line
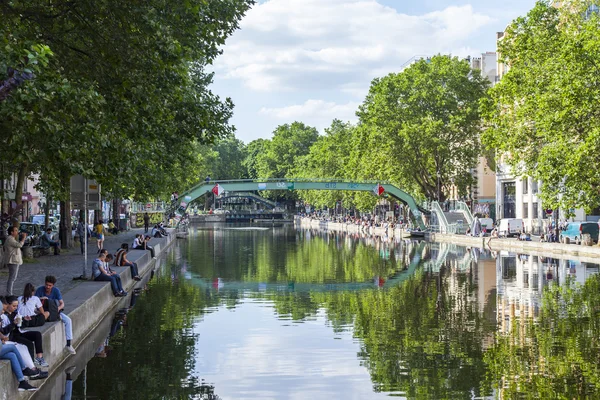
535 211
525 210
525 185
509 200
534 186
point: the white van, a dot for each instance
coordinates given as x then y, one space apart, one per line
510 227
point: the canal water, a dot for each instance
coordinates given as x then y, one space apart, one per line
241 312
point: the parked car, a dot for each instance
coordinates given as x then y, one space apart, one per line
574 231
510 227
40 219
34 232
221 211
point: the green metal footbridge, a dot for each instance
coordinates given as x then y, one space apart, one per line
378 188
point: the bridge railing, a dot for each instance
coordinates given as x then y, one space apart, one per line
444 226
148 207
462 206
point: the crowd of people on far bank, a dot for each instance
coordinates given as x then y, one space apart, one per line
364 222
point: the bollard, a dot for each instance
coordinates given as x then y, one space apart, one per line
27 251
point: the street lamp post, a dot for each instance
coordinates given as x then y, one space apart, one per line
439 193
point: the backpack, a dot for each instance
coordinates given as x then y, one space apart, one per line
52 307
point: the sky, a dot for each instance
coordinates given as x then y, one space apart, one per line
313 60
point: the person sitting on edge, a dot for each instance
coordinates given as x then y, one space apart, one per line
101 275
23 349
107 260
161 228
46 241
31 339
122 261
30 307
141 243
112 228
9 352
156 232
50 292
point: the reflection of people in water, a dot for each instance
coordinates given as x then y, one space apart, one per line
68 383
104 349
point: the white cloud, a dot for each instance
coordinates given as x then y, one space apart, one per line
289 45
320 113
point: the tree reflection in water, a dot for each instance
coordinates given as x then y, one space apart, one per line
432 336
556 355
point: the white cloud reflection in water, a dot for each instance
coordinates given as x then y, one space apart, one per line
249 353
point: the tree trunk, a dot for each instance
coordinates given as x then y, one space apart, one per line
115 212
47 211
23 171
65 227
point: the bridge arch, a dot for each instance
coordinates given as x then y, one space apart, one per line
249 185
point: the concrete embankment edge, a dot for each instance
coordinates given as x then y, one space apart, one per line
556 250
88 303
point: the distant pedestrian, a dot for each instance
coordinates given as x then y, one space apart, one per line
99 229
146 222
13 257
81 232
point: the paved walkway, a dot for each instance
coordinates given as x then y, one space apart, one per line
65 266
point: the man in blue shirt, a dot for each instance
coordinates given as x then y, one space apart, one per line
47 241
52 293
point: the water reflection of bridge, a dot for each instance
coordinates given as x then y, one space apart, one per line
291 286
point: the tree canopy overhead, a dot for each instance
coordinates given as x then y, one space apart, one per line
420 127
543 115
125 79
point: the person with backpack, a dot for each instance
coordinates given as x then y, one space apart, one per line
51 294
30 307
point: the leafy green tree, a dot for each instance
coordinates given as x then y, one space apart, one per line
543 115
328 158
140 73
420 127
228 163
289 142
280 154
253 151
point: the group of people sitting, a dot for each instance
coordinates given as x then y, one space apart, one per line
159 231
101 266
23 348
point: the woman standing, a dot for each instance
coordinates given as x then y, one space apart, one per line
12 256
99 229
